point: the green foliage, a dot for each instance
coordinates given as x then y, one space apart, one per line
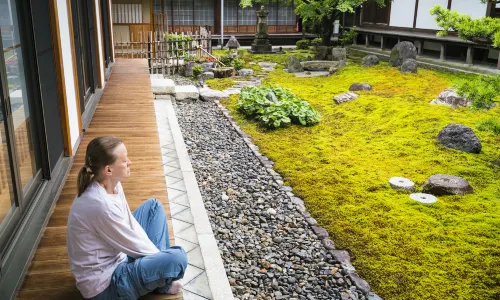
340 167
237 63
348 36
303 44
228 61
317 42
279 111
197 71
483 91
490 124
482 30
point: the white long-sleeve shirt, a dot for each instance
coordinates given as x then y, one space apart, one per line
101 233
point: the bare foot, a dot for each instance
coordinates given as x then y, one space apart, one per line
175 288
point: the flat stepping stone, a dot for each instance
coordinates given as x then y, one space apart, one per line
211 95
186 92
162 86
402 184
442 184
232 91
312 74
423 198
267 65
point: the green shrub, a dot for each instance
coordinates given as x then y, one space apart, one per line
197 71
490 124
237 63
228 61
348 36
317 42
303 44
482 91
485 29
284 109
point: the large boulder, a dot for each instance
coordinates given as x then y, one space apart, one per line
339 54
409 66
401 52
370 60
459 137
205 76
449 97
223 72
442 184
360 87
294 65
188 68
162 86
317 65
321 52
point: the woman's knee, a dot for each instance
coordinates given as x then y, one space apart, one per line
175 255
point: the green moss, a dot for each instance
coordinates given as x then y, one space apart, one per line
341 168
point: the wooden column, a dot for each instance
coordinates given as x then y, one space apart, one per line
217 13
470 52
382 42
498 63
367 40
442 52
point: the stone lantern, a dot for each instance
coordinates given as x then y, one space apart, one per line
233 46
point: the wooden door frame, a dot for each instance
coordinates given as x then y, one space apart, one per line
98 53
75 73
61 87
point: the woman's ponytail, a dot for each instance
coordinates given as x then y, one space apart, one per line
84 179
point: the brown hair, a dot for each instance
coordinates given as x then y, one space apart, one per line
98 155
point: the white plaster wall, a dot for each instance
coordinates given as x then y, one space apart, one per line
424 18
402 13
69 80
100 59
493 53
473 8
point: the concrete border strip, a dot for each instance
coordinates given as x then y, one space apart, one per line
217 278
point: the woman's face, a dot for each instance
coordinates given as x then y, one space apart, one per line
120 169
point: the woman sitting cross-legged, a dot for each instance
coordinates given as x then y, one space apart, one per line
113 253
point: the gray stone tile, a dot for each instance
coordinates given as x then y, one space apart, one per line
184 215
199 286
169 169
189 234
169 145
169 154
173 193
175 173
187 295
179 185
179 225
188 246
171 180
182 199
172 162
195 258
191 273
176 209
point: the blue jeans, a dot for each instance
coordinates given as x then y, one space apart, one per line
137 277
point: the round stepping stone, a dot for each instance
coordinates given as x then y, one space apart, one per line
401 183
423 198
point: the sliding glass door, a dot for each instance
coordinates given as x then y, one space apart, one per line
20 158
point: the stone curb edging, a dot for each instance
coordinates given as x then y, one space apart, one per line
214 267
342 256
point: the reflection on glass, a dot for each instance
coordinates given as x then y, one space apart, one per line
12 51
6 194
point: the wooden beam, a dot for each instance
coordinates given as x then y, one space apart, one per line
470 53
61 85
442 53
449 4
75 75
415 14
110 29
96 37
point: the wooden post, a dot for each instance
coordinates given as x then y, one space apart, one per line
367 40
442 53
470 52
421 48
498 62
132 43
382 42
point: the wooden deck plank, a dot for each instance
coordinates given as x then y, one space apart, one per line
126 110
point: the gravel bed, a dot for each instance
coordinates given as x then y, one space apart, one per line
180 80
268 245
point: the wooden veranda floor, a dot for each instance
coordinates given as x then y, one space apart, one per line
126 111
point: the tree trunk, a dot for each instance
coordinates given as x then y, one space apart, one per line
327 23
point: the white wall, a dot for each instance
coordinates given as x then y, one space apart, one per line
424 18
69 80
493 53
473 8
100 59
402 13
